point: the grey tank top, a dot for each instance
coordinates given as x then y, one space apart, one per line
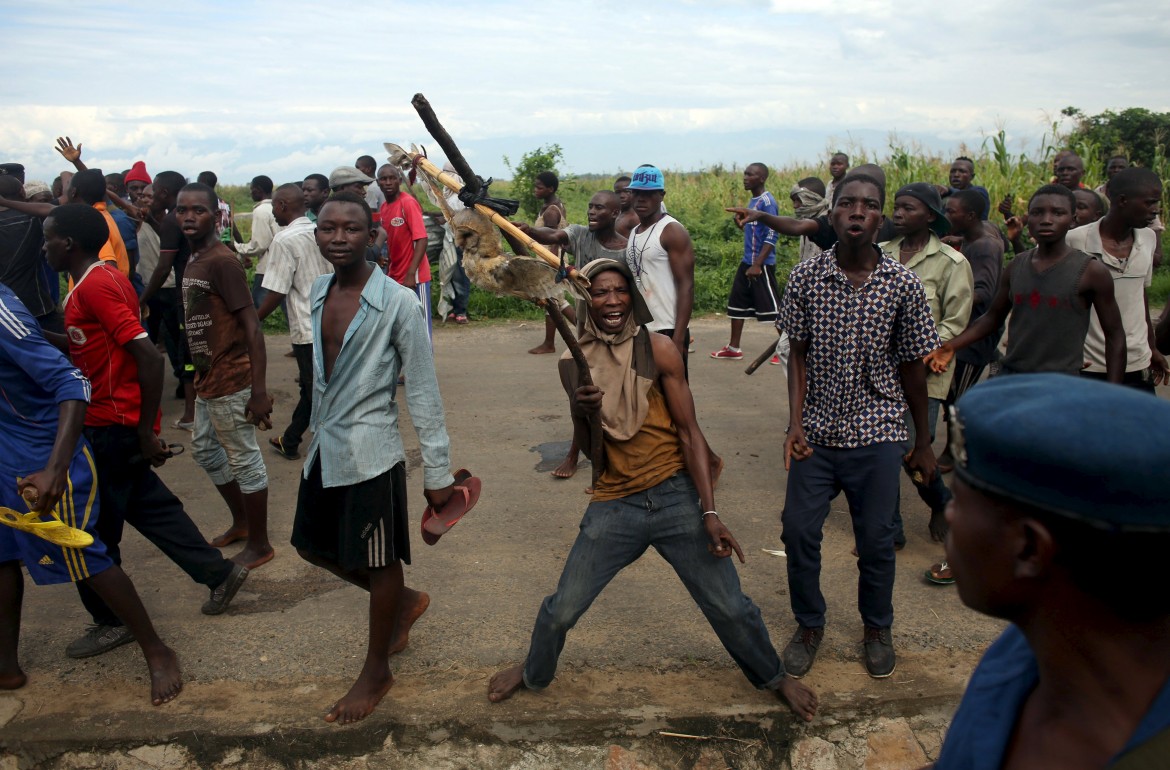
1046 330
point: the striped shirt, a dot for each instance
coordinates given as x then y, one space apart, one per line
355 415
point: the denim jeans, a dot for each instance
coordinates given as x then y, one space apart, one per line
225 444
869 478
936 495
460 286
614 533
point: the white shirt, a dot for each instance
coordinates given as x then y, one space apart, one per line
650 265
294 262
264 227
1131 276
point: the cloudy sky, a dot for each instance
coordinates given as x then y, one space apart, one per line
287 88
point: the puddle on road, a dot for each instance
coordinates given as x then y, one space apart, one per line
551 454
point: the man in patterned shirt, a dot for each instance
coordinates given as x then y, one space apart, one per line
860 325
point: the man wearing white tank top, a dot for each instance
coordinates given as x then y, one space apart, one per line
661 257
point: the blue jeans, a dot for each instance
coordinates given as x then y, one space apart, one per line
614 533
936 495
869 478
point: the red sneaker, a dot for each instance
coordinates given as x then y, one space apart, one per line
727 353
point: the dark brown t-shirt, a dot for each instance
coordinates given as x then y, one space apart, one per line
214 288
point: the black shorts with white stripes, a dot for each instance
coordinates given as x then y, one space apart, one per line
358 527
757 297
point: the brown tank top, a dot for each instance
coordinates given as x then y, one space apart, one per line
652 456
1049 319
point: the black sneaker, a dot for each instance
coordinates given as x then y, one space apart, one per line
222 594
878 652
97 640
800 653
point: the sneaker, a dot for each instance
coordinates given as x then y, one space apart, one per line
775 360
728 353
878 651
277 443
800 653
97 640
222 594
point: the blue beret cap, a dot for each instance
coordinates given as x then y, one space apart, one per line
1089 450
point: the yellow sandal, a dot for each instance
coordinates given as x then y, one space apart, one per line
55 530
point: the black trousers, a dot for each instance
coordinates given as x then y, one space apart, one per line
295 431
130 492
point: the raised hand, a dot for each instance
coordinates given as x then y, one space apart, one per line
67 150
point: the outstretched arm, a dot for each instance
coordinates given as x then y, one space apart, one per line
986 324
544 235
784 225
39 210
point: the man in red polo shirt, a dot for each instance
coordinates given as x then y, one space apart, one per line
109 345
406 238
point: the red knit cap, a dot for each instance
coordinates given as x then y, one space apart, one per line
138 173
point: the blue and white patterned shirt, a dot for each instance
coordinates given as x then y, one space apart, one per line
355 416
756 234
857 339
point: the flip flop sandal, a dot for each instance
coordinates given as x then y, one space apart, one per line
436 523
940 574
55 530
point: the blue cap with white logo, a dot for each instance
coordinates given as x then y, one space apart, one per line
646 178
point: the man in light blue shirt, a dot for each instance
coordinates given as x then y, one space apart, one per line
352 516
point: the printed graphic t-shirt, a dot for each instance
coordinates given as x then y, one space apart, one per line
214 288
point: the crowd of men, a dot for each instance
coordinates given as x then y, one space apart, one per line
885 324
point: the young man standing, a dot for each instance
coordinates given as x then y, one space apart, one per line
374 194
627 220
946 277
406 238
847 395
352 516
1046 295
108 344
662 259
1055 521
838 168
47 466
598 240
227 348
294 262
263 230
316 191
984 253
1124 244
552 216
656 490
753 290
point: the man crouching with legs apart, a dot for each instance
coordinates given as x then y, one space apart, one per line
657 472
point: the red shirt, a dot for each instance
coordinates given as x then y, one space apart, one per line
403 222
101 318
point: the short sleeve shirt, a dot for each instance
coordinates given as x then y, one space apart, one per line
403 222
756 235
294 262
857 337
585 247
101 318
214 288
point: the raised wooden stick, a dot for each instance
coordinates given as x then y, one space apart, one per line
401 157
596 448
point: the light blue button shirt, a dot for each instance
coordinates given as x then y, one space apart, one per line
355 416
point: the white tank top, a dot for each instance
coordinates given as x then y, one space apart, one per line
651 268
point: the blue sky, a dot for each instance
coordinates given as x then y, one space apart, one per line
295 87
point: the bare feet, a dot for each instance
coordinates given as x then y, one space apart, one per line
505 683
229 537
566 469
799 697
13 680
365 695
542 349
253 558
411 607
588 490
938 526
165 679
